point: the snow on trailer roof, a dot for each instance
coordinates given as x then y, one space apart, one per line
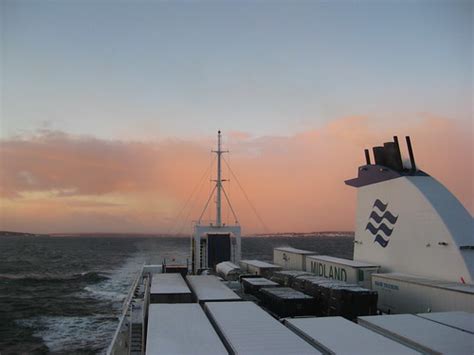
421 334
296 251
168 284
293 273
337 335
259 281
181 329
454 286
227 267
248 329
459 320
347 262
260 264
209 288
285 293
228 264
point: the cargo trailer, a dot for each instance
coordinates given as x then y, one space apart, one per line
351 302
302 283
208 288
245 328
169 288
291 258
181 329
285 277
460 320
257 267
228 271
401 293
321 289
287 302
253 284
421 334
341 269
336 335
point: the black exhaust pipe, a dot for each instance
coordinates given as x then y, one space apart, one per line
410 152
367 156
379 155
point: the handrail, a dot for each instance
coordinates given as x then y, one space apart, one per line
126 306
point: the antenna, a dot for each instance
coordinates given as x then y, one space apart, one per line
219 180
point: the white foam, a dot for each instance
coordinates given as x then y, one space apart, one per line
69 334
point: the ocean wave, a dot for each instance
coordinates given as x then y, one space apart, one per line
70 334
90 276
105 295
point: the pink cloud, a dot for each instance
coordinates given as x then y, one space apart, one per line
55 182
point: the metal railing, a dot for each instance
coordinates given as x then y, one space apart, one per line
125 310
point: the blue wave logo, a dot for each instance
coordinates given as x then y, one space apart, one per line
381 223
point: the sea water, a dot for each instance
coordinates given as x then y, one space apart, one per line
65 294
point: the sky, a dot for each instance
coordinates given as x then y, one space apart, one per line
109 109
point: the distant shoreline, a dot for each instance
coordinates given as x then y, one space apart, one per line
160 235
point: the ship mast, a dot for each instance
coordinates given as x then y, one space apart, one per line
219 180
214 243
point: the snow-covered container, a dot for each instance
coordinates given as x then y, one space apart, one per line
252 285
421 334
208 288
286 302
291 258
247 329
181 329
340 269
401 293
257 267
285 277
460 320
336 335
228 270
169 288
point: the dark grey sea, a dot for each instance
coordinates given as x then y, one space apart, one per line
64 294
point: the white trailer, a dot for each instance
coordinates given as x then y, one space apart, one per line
257 267
460 320
337 335
340 269
208 288
228 270
401 293
291 258
421 334
169 288
247 329
181 329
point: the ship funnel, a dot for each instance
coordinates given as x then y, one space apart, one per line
408 222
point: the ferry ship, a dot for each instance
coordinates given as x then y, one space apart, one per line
409 288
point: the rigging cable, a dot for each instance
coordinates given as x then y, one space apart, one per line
247 198
230 206
196 189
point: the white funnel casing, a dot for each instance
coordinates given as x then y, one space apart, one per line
408 222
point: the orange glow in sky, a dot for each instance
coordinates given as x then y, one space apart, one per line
55 182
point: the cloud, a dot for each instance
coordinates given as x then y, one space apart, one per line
55 182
